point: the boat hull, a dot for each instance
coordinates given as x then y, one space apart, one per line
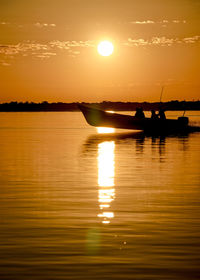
100 118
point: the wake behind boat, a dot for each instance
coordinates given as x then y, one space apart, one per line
100 118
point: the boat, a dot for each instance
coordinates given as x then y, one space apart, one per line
99 118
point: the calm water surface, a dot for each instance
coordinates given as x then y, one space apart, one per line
77 204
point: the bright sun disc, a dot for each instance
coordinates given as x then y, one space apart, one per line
105 48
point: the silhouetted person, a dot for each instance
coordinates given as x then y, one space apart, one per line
139 113
154 116
162 114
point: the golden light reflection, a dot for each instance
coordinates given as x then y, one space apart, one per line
105 130
106 174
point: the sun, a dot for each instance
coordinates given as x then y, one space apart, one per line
105 48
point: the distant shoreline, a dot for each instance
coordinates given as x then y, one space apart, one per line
44 106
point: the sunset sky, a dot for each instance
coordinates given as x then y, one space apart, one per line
48 50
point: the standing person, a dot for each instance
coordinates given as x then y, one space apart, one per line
162 114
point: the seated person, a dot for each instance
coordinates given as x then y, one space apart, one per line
162 114
139 113
154 115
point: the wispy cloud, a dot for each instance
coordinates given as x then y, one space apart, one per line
3 63
59 44
191 40
164 21
163 41
4 23
73 47
71 44
143 22
42 51
37 24
178 21
41 25
160 41
22 48
135 42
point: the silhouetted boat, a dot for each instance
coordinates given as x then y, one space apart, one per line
100 118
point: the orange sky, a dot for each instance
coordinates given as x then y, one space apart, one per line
48 50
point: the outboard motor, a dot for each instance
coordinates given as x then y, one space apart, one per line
183 121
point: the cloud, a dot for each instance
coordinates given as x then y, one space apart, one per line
71 44
163 41
191 40
178 21
164 21
5 63
45 55
9 49
37 24
43 51
135 42
160 41
59 44
21 48
143 22
41 25
4 23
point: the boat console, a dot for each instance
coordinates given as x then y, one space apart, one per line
183 120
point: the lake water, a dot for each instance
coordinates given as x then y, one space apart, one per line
78 204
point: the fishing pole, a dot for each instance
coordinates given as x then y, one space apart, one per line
161 93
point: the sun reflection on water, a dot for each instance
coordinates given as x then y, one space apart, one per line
106 174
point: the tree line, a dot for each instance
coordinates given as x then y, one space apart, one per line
45 106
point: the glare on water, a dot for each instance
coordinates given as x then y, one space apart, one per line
106 175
